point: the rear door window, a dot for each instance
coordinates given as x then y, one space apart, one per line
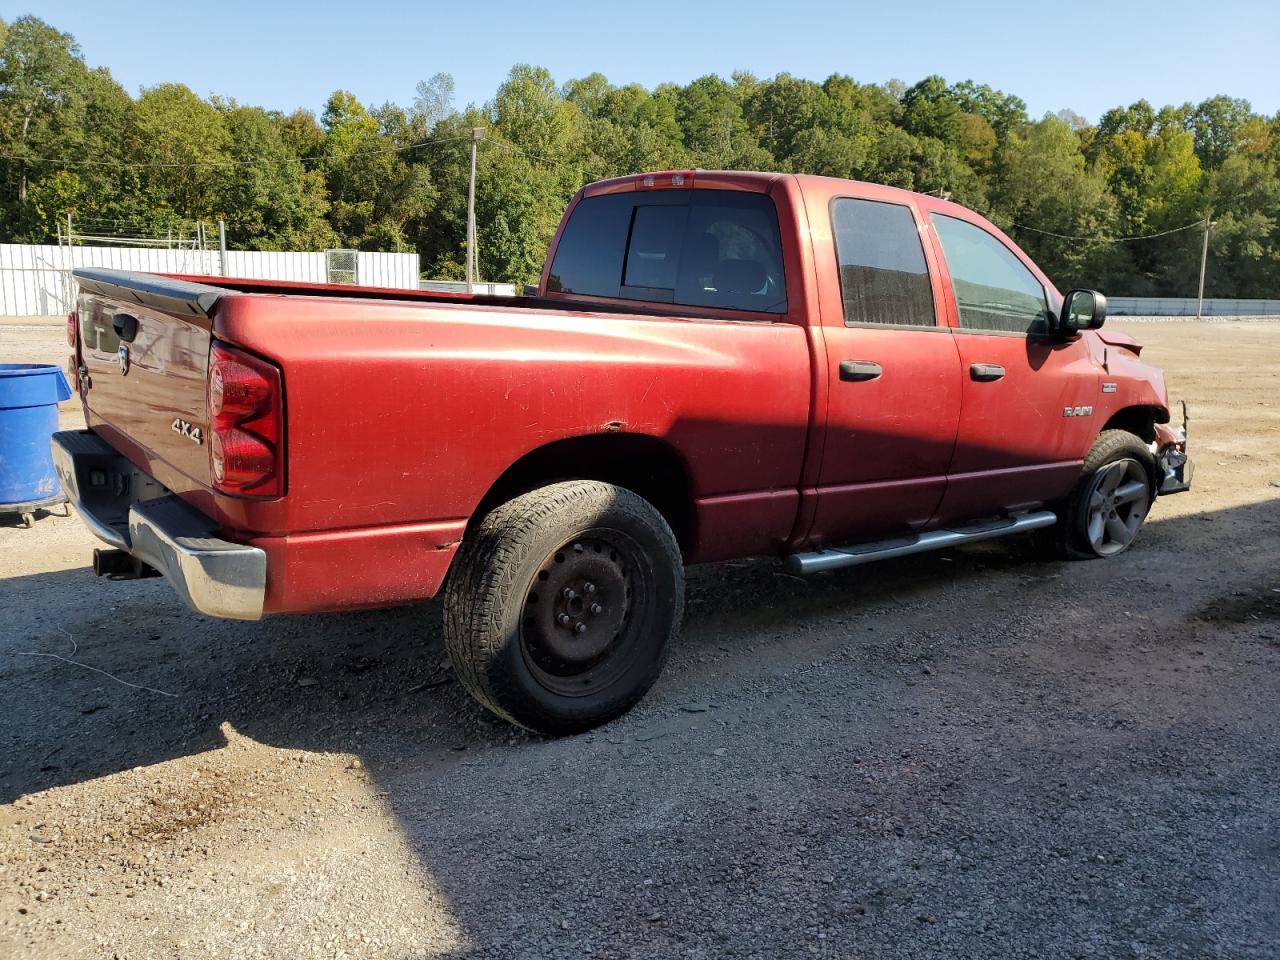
883 276
710 248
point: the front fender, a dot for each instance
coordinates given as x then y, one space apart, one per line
1130 383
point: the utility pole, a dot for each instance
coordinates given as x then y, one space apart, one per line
473 258
222 247
1204 259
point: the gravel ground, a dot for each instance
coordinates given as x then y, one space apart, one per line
965 755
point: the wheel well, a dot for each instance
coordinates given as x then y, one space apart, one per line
642 464
1140 421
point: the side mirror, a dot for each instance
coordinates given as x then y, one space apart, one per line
1082 310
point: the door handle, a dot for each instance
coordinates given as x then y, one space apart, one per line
985 372
855 371
126 326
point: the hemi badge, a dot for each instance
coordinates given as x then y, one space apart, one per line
1108 388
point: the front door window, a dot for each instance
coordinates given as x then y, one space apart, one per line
994 289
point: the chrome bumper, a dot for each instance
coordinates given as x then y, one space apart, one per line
129 510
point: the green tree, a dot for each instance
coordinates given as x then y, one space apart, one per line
929 109
183 148
1046 188
373 192
434 99
1217 124
39 72
716 133
1004 112
829 153
783 109
271 200
1245 246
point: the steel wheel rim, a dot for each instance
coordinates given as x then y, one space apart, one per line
1118 501
579 622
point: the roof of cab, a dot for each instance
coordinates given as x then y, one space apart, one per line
828 182
744 180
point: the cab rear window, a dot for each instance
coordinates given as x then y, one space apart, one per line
699 248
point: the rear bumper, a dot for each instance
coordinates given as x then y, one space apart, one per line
130 511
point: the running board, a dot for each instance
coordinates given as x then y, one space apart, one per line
819 560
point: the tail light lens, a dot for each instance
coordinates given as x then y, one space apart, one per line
73 325
246 424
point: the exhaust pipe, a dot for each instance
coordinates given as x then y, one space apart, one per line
121 565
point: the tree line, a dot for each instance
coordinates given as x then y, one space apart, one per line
73 141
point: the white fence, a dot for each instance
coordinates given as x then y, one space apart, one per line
460 286
1186 307
36 280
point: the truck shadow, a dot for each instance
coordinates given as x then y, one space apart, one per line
379 684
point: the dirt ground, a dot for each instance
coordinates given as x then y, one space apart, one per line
970 754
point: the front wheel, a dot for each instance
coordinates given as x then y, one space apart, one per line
1110 503
563 604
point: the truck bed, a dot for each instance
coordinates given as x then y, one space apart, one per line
403 411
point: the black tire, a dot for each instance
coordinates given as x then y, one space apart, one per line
594 553
1072 537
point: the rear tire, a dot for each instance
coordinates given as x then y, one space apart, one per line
562 606
1105 512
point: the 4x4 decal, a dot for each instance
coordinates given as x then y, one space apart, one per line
183 428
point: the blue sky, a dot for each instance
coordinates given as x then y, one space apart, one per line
1086 55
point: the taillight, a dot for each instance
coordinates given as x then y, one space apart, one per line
246 424
73 325
236 390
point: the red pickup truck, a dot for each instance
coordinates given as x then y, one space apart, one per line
713 365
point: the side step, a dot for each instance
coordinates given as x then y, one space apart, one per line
816 561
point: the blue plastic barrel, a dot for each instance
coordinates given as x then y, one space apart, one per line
29 398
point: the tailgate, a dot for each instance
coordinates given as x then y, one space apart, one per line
144 344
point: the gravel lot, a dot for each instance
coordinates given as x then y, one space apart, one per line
971 754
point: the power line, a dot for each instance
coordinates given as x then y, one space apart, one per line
160 165
1145 236
490 137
